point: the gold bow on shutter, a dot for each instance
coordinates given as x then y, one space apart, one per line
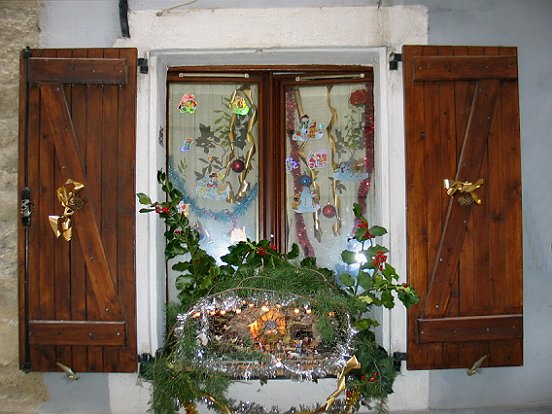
465 189
71 201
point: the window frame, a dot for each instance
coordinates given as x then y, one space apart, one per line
151 127
272 81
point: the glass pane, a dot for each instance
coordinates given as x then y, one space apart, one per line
329 165
212 159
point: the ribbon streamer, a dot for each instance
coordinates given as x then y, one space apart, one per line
466 187
243 183
71 202
352 363
336 227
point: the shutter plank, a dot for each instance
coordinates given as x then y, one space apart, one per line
77 100
77 70
126 173
448 68
77 333
482 328
417 150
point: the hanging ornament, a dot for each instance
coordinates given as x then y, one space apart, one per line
187 103
328 211
352 170
309 130
291 164
238 166
305 201
318 160
305 180
186 144
239 106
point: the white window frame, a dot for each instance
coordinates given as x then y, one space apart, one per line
150 157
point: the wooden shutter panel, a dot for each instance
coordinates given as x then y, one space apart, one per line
78 297
465 261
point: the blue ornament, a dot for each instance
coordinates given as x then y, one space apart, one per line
305 180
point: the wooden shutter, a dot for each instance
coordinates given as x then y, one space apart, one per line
77 297
465 261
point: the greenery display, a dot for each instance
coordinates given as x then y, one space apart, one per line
256 266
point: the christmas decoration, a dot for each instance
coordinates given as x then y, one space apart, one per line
351 170
309 130
262 314
238 166
239 106
305 180
187 104
318 160
328 211
291 164
224 215
186 144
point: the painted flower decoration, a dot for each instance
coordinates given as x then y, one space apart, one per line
359 97
187 103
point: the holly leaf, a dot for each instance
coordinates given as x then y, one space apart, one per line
294 252
364 280
348 257
347 279
378 230
144 199
357 210
364 324
183 281
373 250
387 299
181 266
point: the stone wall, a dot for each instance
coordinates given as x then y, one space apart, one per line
19 392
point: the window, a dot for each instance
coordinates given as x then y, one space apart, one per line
279 154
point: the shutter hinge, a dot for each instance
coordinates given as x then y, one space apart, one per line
394 60
26 206
146 361
398 357
143 65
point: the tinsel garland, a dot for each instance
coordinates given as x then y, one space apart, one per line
300 227
225 215
368 131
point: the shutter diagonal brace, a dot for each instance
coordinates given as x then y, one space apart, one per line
59 124
452 236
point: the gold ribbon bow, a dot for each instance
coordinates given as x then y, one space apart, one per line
70 200
464 188
352 363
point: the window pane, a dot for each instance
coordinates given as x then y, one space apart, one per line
329 164
212 159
